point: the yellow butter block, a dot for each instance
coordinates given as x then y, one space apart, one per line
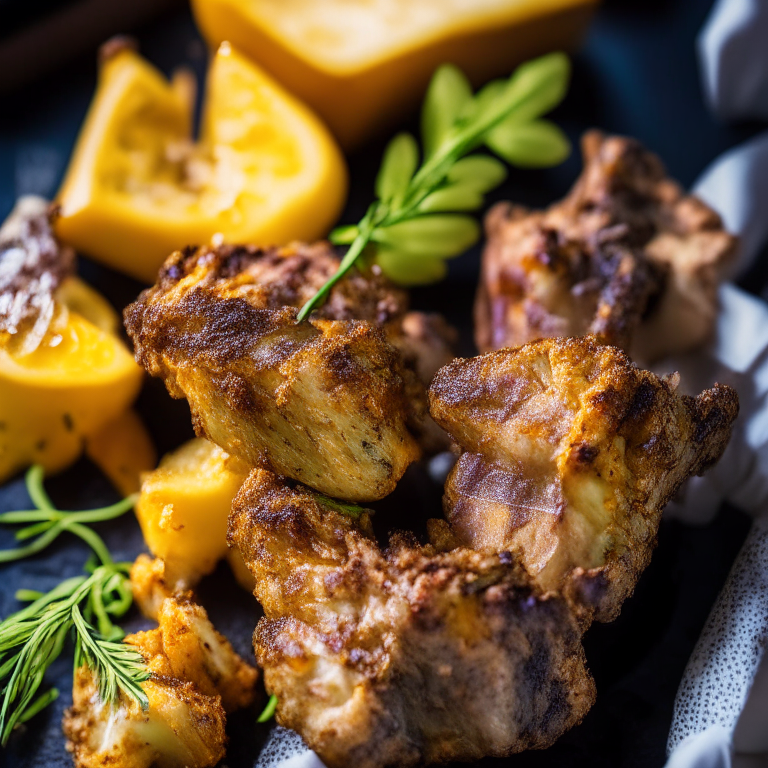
265 170
360 64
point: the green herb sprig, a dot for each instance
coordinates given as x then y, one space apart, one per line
48 523
83 606
418 220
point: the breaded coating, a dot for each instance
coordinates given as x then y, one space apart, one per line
570 455
626 256
196 678
323 401
149 585
403 656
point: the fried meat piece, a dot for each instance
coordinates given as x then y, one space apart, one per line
196 679
570 455
324 402
626 256
403 656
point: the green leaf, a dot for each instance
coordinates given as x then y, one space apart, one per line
406 220
489 94
480 172
344 235
537 144
448 93
456 197
534 89
400 160
440 235
407 269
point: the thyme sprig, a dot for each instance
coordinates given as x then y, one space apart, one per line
415 223
83 607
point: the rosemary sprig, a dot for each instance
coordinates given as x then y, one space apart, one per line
414 225
84 606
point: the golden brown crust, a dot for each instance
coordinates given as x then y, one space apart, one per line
149 585
322 401
196 677
570 455
626 256
407 655
290 276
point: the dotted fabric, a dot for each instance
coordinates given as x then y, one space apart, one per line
285 748
723 664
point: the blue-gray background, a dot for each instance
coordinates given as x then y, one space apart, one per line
636 74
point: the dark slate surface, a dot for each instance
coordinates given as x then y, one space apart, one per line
637 75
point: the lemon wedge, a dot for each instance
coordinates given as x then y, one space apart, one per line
78 379
264 171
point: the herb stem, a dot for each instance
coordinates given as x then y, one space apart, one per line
47 522
503 115
36 490
33 638
350 257
269 711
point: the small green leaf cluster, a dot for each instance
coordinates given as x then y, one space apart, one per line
83 607
420 216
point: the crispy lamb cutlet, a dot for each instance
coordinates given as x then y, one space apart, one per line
403 656
328 402
570 455
627 256
196 679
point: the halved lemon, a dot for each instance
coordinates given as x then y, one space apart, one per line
265 170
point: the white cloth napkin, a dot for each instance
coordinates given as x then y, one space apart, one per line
732 59
721 710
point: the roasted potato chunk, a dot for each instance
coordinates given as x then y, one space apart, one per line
183 509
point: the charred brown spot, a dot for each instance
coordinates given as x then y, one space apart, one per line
586 454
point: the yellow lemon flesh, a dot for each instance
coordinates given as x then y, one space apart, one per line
264 171
79 379
361 63
183 509
123 450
